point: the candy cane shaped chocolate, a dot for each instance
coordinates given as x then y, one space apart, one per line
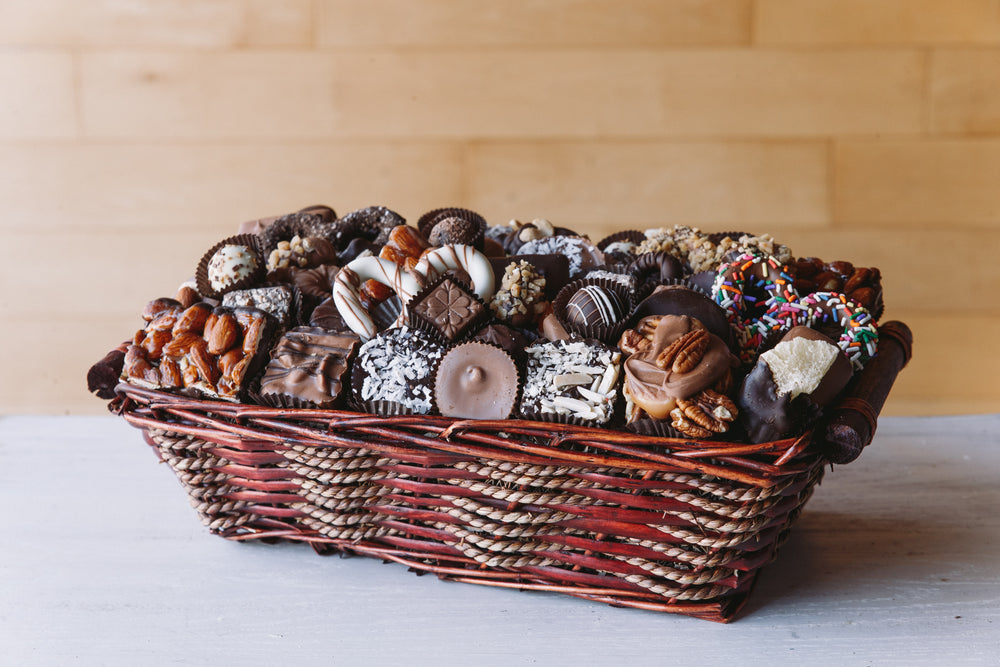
347 286
463 257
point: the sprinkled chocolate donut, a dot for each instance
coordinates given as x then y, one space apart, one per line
852 325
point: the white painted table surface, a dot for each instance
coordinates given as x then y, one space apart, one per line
896 561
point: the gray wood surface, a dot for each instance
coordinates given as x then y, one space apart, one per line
896 561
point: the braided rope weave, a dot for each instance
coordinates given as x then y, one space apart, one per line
671 525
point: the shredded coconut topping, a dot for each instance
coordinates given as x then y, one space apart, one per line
397 367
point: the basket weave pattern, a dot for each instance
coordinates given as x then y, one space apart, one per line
663 524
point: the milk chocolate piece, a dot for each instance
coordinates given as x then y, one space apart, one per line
447 308
309 366
476 381
680 300
656 387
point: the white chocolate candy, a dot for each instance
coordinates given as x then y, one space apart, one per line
347 287
347 284
463 257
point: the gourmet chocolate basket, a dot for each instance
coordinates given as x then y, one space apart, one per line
636 421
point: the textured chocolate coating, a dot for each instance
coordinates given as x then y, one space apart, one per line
278 300
455 230
680 300
294 224
583 255
476 381
309 365
374 223
428 220
656 389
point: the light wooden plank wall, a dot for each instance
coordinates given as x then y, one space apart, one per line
135 135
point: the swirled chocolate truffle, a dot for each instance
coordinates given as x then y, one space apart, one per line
594 306
476 381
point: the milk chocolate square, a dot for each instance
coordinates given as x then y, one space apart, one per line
308 367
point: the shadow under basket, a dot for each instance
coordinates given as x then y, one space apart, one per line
670 525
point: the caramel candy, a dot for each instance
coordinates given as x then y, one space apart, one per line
661 373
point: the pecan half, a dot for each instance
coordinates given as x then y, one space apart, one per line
704 414
633 342
685 353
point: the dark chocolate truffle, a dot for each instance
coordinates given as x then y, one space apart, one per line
476 381
593 305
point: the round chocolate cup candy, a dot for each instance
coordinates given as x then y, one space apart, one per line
253 273
476 380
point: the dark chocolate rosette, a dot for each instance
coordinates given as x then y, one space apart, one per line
231 264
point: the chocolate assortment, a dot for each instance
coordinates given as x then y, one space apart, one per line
668 331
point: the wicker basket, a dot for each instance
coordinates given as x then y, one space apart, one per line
669 525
